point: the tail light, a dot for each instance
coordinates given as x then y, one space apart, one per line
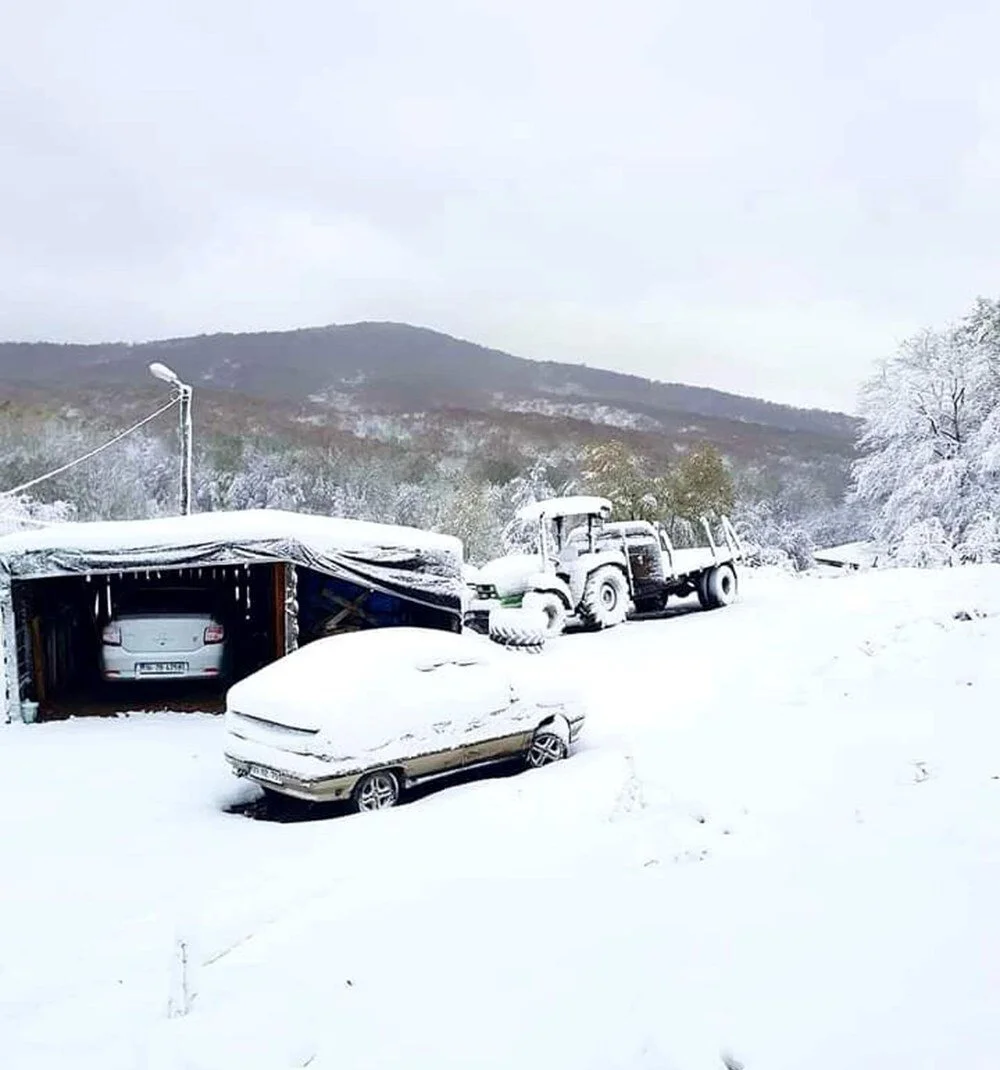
112 635
215 633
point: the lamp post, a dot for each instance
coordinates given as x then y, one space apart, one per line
166 375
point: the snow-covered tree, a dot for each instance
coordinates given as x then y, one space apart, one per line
931 441
613 471
698 485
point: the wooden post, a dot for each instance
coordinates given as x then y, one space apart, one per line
278 604
291 608
38 658
10 685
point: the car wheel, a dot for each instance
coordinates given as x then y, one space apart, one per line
376 791
546 747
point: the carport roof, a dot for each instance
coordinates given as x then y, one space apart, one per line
322 532
401 559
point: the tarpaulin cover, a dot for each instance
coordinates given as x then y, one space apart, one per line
419 566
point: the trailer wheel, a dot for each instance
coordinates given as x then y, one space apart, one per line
551 606
605 598
721 587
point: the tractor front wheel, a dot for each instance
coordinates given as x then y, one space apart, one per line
605 600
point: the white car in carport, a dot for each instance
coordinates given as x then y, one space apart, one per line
163 634
362 716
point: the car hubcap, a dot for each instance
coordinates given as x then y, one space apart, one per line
545 749
378 793
609 596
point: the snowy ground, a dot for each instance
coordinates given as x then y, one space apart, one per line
779 838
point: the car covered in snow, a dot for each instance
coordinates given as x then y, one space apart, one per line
165 633
362 716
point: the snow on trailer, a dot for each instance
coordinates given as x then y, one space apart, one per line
281 579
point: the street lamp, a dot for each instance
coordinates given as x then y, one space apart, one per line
167 375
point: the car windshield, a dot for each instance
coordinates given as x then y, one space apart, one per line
170 600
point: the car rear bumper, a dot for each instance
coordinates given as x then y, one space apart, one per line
118 664
300 775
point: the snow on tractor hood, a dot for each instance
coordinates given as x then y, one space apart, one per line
511 574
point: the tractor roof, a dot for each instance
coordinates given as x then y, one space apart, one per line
576 505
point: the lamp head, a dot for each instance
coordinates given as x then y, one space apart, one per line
161 371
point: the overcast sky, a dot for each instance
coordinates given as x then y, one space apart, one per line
763 197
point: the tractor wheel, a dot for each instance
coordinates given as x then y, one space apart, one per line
605 600
551 606
518 629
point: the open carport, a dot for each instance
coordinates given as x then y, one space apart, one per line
273 579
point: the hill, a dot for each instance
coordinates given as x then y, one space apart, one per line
396 367
426 392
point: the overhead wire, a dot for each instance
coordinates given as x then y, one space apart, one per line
93 453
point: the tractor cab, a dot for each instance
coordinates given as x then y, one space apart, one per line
567 527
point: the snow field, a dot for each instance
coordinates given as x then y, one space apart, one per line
779 836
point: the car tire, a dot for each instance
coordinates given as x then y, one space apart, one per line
605 600
721 587
551 606
376 791
518 629
546 748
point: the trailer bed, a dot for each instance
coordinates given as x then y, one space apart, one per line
689 562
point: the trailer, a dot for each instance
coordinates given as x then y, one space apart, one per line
659 571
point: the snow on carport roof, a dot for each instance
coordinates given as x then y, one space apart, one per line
321 531
418 564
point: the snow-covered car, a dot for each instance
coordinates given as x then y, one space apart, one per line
163 634
360 717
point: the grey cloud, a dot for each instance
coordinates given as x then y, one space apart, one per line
759 197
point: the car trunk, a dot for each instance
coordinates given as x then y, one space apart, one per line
173 634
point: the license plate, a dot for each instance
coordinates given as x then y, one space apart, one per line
259 772
156 668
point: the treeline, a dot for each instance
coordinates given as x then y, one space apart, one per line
467 484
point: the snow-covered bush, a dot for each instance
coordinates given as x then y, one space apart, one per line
19 511
925 545
772 537
981 540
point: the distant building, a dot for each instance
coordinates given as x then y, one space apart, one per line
850 555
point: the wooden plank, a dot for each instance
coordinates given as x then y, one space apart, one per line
37 659
278 604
